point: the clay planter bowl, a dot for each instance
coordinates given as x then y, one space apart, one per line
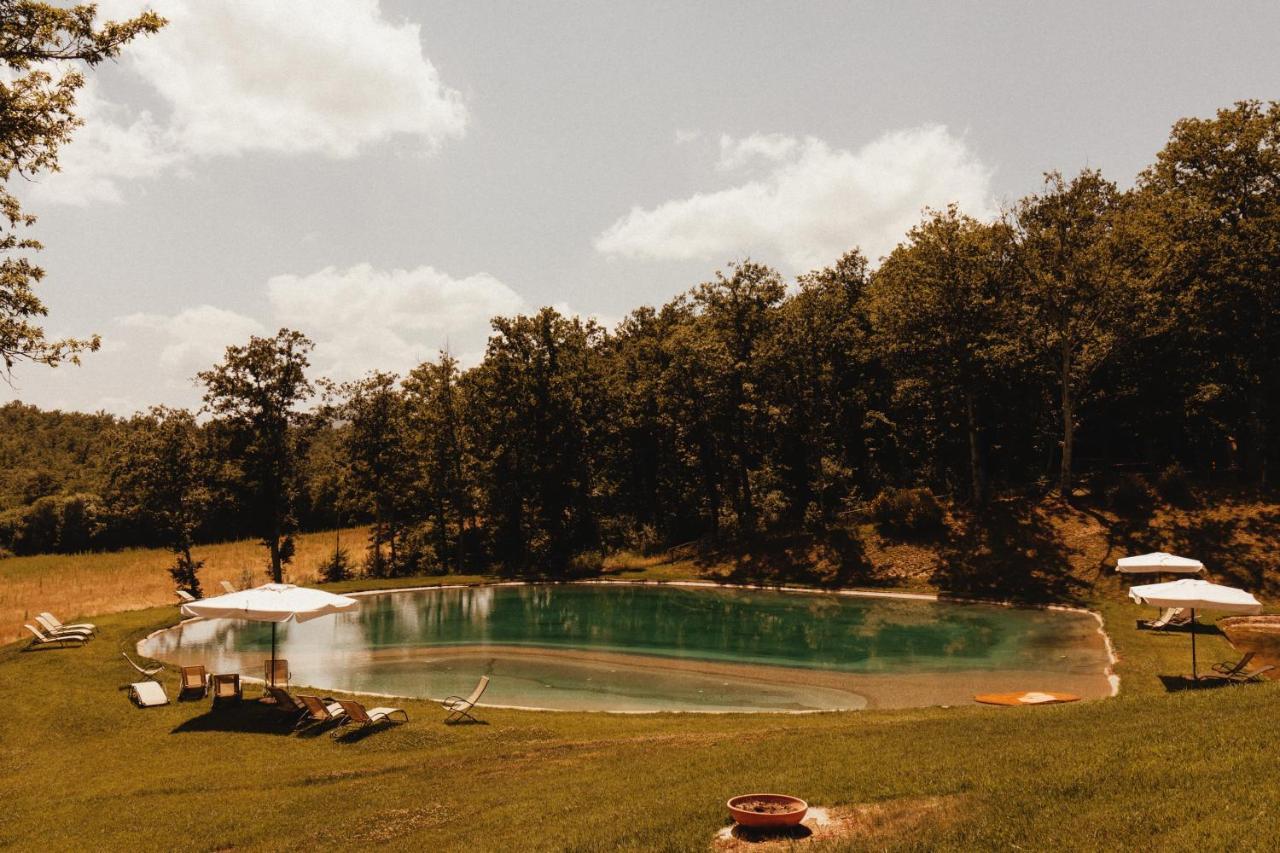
793 810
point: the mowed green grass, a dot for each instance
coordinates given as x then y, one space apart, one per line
83 768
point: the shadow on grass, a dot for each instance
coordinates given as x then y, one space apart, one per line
468 722
1180 683
835 558
246 717
1007 550
774 835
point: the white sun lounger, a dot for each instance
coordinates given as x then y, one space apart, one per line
58 627
59 640
148 694
185 597
63 631
226 585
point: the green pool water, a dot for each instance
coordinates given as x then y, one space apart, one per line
645 648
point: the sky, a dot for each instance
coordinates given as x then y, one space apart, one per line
387 176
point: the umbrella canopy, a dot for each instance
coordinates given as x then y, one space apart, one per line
274 603
1196 594
1149 564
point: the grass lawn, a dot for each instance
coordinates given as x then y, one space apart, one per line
84 768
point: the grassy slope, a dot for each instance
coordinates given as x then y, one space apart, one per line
1187 770
127 580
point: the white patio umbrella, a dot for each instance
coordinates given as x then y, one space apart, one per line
1196 594
1158 563
274 603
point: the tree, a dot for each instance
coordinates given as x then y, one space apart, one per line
538 405
940 310
1211 211
159 477
436 414
376 458
1075 286
822 380
254 391
39 43
736 313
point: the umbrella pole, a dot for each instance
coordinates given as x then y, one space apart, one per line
272 665
1194 676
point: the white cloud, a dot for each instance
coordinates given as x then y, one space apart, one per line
813 203
363 318
736 153
192 339
285 76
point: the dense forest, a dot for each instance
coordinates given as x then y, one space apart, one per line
1125 335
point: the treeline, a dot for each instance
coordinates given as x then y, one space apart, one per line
1089 328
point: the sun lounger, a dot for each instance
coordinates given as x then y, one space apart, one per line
195 682
57 624
185 597
281 672
364 717
147 672
55 631
148 694
226 585
42 640
322 711
226 688
290 704
1227 669
1169 617
459 707
1242 677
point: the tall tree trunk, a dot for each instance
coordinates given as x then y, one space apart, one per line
277 572
977 473
1068 423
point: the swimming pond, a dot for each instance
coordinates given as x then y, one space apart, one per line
623 647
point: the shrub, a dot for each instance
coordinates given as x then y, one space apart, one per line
338 567
585 564
1174 485
907 512
1128 493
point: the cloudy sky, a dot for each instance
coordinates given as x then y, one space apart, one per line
386 176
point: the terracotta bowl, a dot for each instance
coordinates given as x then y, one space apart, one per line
794 814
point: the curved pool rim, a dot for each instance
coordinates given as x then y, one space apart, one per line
1112 659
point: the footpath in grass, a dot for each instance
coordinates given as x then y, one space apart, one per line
83 767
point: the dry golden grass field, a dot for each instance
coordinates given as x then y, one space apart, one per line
71 585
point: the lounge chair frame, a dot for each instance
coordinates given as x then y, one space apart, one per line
363 718
460 708
150 673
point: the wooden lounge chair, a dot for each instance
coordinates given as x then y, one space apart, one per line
195 682
226 688
322 710
1242 677
364 717
281 672
1227 669
226 585
1169 617
185 597
290 704
43 641
459 707
57 625
146 672
54 631
148 694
